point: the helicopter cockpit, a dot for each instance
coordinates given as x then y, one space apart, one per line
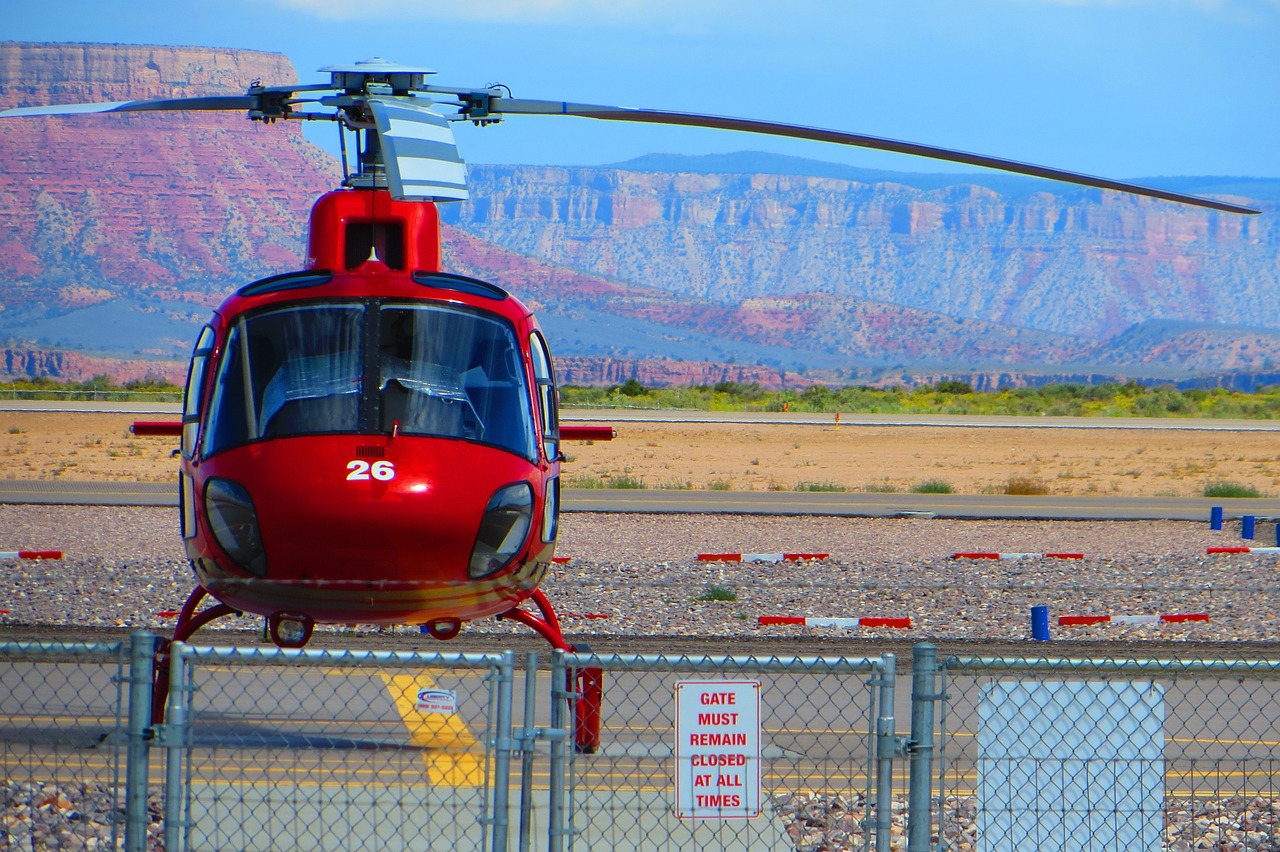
371 366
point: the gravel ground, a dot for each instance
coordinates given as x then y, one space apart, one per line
122 566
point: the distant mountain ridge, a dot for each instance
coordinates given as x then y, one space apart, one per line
1081 263
119 233
1009 186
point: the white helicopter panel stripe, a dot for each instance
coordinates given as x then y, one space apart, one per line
422 159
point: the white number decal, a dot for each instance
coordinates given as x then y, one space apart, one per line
383 471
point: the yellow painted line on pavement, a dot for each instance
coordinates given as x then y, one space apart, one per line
450 749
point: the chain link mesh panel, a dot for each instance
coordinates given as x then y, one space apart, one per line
1108 755
344 750
62 737
816 755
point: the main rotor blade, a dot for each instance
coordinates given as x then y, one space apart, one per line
212 102
524 106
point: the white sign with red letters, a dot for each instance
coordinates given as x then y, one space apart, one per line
717 749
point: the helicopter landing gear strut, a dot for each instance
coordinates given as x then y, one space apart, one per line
188 622
586 685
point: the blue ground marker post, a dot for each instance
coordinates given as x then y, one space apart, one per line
1246 526
1215 518
1040 623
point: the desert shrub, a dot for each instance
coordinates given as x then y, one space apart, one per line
820 486
1226 488
932 486
1025 486
718 593
624 480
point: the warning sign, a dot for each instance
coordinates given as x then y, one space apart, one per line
717 749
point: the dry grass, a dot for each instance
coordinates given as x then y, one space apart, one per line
761 458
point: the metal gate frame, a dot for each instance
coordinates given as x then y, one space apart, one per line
883 746
176 735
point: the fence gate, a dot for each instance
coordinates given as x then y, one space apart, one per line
722 753
273 749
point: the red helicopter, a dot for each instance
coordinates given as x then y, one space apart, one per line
372 439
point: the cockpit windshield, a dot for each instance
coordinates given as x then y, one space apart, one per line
405 369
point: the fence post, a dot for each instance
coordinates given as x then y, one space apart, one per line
924 691
142 648
559 744
502 753
887 748
175 742
528 740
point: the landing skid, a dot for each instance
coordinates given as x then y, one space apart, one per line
587 685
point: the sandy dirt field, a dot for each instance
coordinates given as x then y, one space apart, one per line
92 447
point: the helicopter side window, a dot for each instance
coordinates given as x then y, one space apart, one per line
295 371
548 397
191 398
453 373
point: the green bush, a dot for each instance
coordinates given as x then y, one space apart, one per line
932 486
820 486
718 593
1226 488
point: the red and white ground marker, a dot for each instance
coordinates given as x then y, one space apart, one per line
760 557
809 621
987 555
30 554
1212 550
1086 620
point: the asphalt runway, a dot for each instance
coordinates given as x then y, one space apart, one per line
664 501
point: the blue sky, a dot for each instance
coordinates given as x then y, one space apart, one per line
1121 88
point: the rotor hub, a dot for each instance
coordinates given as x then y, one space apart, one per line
378 76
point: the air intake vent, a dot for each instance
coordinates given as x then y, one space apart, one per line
370 452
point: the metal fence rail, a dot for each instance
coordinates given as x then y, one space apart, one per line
1107 754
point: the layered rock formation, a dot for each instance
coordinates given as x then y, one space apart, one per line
138 224
166 206
1070 262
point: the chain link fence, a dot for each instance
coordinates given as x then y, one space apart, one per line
268 749
339 750
727 753
62 735
1108 754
